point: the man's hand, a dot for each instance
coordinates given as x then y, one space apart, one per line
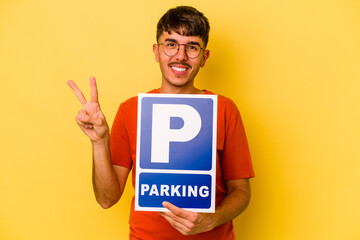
234 203
187 222
90 119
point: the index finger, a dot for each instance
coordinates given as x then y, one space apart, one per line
94 91
77 92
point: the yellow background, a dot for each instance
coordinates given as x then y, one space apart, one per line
292 67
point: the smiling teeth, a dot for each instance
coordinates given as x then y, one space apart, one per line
179 69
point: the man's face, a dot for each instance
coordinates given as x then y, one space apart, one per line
179 70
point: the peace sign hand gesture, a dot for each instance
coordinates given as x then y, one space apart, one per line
90 119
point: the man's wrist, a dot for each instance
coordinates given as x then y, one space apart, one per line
101 141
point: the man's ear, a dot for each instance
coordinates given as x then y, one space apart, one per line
205 57
156 51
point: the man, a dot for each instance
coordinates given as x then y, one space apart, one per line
182 36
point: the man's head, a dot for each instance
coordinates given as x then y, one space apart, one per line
182 35
186 21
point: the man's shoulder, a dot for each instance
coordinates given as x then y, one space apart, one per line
222 100
132 102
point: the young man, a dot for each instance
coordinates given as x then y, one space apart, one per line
182 36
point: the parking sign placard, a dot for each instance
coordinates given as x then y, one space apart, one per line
176 152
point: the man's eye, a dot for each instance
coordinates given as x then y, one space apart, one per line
170 45
193 47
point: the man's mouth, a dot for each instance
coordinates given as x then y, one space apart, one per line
179 68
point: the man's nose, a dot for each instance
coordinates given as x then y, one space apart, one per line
181 54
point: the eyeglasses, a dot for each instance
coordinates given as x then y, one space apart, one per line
172 48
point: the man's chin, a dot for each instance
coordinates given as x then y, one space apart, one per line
177 82
180 84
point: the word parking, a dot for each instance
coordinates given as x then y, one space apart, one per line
174 190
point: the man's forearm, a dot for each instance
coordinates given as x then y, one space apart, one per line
105 182
235 202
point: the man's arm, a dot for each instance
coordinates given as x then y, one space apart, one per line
108 180
234 203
